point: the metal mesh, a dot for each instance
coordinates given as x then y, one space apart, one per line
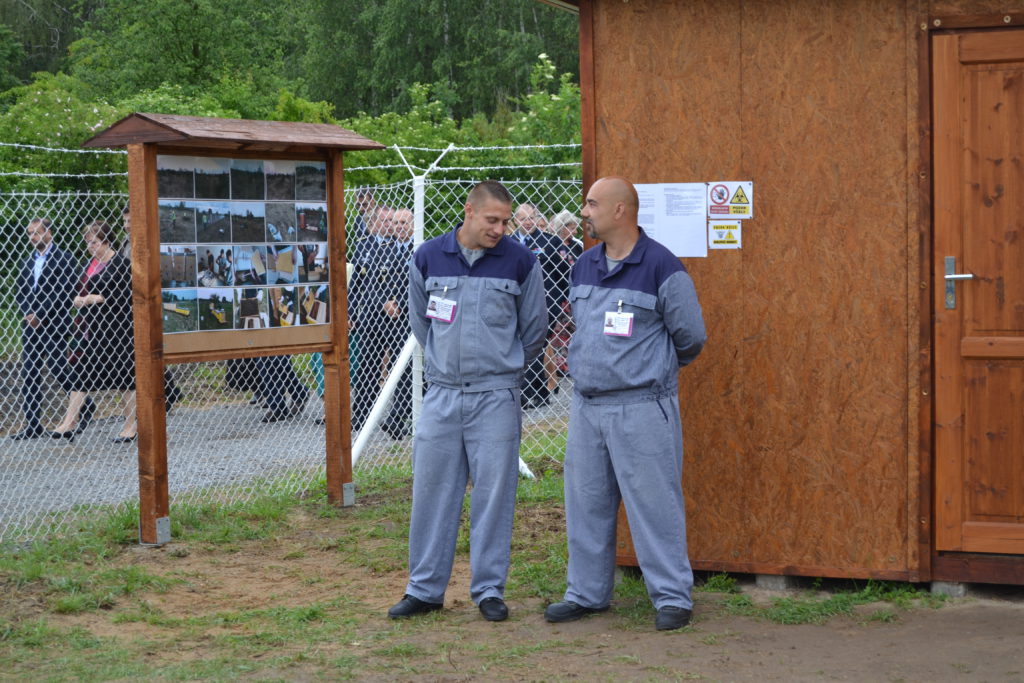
234 425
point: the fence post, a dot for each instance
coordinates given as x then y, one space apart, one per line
419 194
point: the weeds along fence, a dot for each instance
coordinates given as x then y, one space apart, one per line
227 436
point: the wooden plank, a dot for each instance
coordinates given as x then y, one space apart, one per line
992 347
782 569
991 47
337 399
955 14
588 135
919 508
221 345
148 323
200 356
969 567
948 417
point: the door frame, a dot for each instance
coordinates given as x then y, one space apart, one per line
933 565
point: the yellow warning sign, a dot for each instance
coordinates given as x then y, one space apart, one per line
725 234
740 197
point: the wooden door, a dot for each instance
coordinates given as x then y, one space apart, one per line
978 117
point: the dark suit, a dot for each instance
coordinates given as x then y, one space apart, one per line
103 343
555 273
381 275
49 300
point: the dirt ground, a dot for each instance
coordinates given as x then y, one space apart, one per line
978 638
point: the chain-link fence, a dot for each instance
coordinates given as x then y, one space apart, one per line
67 417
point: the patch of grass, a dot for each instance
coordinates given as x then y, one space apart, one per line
719 583
740 604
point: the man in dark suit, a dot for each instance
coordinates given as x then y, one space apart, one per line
44 289
555 271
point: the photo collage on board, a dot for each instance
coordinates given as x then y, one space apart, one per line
243 243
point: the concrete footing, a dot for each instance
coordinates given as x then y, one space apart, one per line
772 582
951 589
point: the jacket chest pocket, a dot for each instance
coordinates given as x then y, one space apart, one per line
498 301
442 288
579 300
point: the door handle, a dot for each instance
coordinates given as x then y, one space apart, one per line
951 277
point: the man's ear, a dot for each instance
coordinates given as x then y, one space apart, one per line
468 211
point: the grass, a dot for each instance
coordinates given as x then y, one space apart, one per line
67 594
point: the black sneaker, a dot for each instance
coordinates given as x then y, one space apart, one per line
409 606
670 618
559 612
493 609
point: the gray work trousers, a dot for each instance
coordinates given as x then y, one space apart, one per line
460 437
631 452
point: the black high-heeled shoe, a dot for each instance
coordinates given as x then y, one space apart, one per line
85 415
69 435
125 439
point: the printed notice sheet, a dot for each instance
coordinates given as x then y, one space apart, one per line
675 214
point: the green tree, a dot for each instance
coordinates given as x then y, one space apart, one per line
12 54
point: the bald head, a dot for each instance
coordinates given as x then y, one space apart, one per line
610 211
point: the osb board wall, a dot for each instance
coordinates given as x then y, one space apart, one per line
800 417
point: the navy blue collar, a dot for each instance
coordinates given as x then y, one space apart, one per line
598 256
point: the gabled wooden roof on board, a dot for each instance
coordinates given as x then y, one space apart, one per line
229 134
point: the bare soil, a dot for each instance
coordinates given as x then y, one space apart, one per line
978 638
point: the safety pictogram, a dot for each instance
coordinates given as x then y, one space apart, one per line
731 199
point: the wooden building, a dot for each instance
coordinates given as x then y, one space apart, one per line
855 413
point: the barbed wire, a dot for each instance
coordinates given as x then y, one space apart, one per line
62 175
61 149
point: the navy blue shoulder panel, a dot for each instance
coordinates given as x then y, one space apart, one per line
441 257
644 270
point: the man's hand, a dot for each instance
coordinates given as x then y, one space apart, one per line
32 321
392 309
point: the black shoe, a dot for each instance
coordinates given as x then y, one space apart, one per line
69 435
125 439
275 416
28 433
670 618
85 415
558 612
409 606
494 609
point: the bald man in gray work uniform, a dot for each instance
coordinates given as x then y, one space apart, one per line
637 322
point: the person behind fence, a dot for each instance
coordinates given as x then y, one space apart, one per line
396 425
172 394
43 292
637 322
101 350
529 231
476 302
377 280
278 377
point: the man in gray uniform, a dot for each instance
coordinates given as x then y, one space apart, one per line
476 306
637 322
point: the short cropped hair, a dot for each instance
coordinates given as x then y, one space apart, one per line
491 189
45 222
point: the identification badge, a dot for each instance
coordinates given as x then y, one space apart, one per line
618 324
441 309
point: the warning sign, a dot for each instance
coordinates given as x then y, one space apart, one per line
731 199
725 234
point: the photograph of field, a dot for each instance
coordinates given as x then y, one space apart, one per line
175 176
177 266
177 222
311 181
247 179
280 179
213 221
248 221
216 309
213 180
180 311
312 221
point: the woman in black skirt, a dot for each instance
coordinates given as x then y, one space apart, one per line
101 352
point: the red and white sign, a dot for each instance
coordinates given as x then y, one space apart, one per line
733 199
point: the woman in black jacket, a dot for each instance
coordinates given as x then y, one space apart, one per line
101 352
